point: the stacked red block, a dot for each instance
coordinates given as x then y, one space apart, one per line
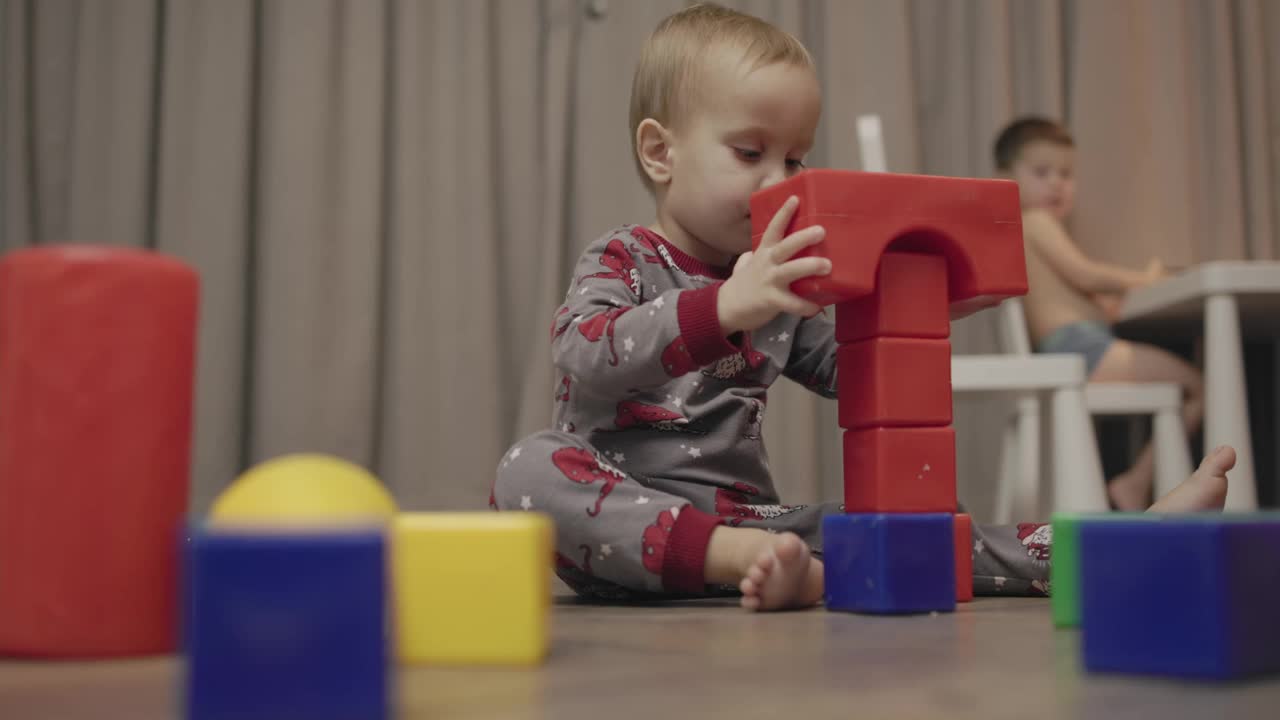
906 250
894 365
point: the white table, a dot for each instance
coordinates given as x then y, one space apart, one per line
1229 300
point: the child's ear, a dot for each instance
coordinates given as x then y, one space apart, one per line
653 146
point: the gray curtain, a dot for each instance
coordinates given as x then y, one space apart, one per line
385 197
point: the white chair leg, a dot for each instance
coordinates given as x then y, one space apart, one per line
1027 496
1018 488
1226 418
1077 470
1007 482
1169 443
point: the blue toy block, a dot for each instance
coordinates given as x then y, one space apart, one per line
285 625
1188 595
889 562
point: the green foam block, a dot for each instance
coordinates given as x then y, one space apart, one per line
1064 565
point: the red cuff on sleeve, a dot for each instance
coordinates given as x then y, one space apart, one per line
684 563
700 325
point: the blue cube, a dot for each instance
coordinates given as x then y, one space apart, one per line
283 626
889 562
1188 595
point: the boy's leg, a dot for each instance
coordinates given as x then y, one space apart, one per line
1126 361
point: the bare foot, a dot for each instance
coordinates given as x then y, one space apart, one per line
1128 492
783 575
1206 489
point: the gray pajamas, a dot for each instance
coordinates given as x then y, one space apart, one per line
657 430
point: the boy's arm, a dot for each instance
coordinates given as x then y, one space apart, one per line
812 362
613 330
1090 276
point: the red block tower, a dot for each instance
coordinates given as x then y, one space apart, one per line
906 251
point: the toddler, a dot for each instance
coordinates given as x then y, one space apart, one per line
671 333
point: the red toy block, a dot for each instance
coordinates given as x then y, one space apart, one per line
964 557
975 223
894 382
910 300
97 369
900 470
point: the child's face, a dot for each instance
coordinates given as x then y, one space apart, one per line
1045 173
749 129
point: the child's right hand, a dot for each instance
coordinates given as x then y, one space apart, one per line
1155 270
759 287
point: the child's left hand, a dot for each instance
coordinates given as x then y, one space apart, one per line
1110 304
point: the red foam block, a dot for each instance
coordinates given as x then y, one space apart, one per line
908 470
894 382
964 557
97 357
910 300
975 223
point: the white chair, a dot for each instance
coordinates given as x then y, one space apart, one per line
1163 401
1076 469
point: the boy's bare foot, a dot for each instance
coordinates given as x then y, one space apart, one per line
1206 489
783 575
1129 492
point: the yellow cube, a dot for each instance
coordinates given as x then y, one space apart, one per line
472 588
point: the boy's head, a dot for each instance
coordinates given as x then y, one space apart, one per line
722 104
1039 155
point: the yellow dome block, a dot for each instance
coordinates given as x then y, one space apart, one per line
304 489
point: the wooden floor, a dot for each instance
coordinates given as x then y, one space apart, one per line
994 658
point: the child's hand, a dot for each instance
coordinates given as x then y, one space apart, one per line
1155 270
1110 304
759 287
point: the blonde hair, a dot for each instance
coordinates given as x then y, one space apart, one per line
666 73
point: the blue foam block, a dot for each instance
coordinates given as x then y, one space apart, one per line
1188 595
889 562
286 626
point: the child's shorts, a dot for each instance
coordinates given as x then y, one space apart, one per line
1088 337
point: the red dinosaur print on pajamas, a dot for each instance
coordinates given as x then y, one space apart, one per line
566 563
586 468
1037 538
676 359
737 505
637 414
600 325
620 266
653 542
651 251
730 367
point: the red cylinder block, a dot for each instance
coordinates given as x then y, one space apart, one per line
97 361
